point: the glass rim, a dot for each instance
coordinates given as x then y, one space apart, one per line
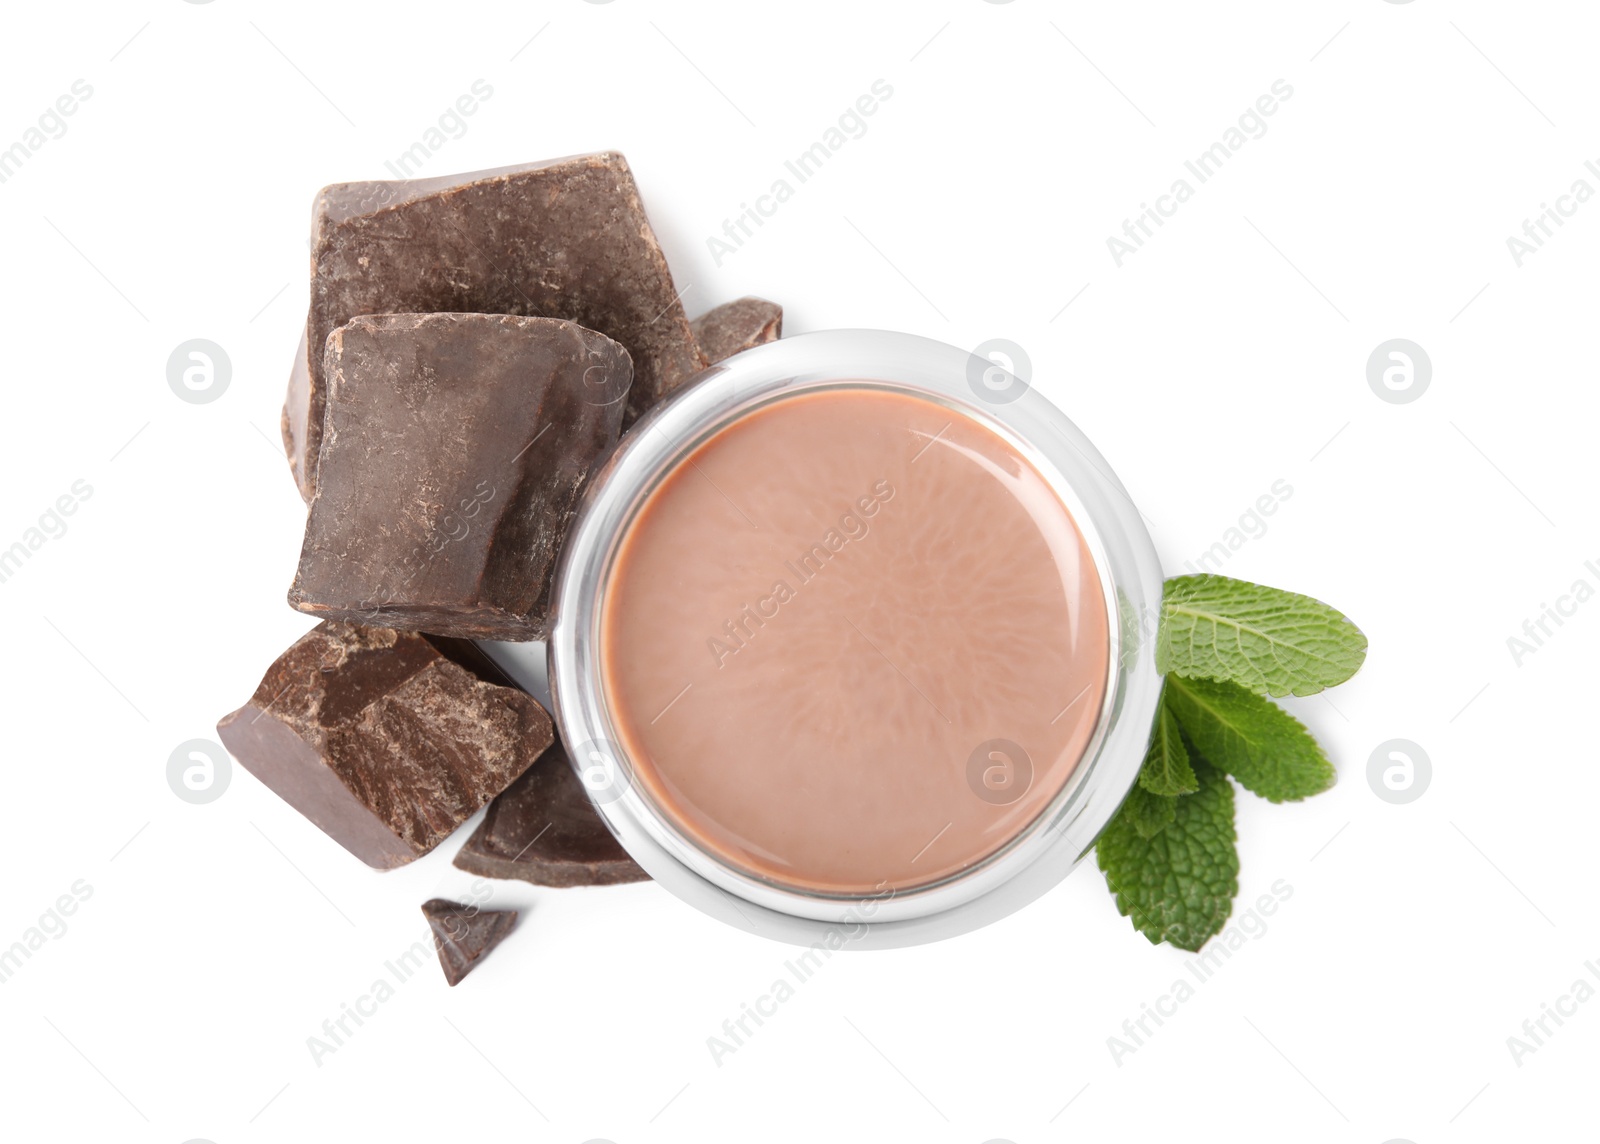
1037 856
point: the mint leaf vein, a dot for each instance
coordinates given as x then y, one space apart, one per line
1282 643
1251 738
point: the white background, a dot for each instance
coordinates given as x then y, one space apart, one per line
1227 354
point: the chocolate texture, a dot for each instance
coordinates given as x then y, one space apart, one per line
454 450
736 326
464 935
567 238
386 740
543 829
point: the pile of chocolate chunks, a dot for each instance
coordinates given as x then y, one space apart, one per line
475 343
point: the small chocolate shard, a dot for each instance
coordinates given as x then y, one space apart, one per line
464 935
543 829
736 326
386 740
567 238
453 453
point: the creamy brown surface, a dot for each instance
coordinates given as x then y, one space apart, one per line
820 616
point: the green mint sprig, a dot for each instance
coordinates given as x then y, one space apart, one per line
1224 645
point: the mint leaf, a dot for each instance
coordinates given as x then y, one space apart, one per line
1282 643
1166 767
1150 813
1249 737
1177 886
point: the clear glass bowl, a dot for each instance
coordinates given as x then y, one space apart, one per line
1037 857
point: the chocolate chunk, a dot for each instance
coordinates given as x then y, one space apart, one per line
736 326
453 453
543 829
386 740
463 935
562 239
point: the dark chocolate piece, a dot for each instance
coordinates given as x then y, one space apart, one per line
453 453
463 935
738 325
561 239
386 740
543 829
